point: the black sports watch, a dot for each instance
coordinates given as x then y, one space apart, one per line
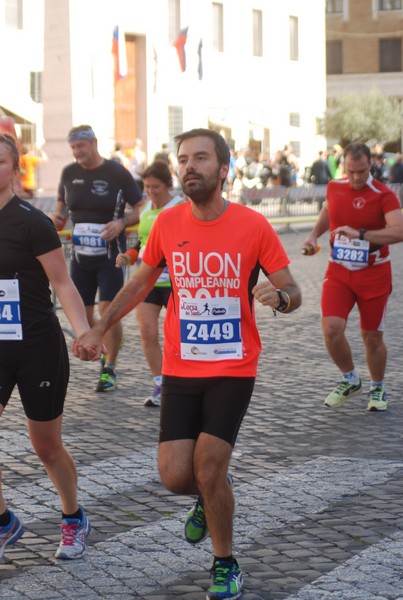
361 234
284 301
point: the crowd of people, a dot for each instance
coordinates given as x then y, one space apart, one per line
197 261
387 168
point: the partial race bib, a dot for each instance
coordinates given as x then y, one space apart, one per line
164 277
10 313
87 239
354 253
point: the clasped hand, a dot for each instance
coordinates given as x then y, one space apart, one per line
266 294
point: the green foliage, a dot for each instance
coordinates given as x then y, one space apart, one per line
362 118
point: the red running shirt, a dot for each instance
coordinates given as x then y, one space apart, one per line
209 260
361 209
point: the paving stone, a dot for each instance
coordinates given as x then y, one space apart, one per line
318 492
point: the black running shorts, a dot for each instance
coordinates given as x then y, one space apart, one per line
159 296
41 373
213 405
96 274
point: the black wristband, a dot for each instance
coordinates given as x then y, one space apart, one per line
285 301
362 232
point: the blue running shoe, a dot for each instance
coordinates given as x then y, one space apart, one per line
11 533
227 581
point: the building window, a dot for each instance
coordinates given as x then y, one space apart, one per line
320 126
13 14
334 58
296 148
390 55
295 119
175 121
257 21
334 7
390 4
174 19
35 86
294 38
218 27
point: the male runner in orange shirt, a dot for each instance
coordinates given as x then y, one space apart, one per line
214 251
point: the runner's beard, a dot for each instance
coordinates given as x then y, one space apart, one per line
200 191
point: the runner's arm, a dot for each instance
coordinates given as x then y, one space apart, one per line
128 297
321 225
266 293
113 228
390 234
60 213
55 267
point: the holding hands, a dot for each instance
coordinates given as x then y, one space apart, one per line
88 346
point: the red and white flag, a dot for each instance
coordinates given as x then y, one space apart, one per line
119 53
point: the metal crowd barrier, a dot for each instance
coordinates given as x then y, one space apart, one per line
297 204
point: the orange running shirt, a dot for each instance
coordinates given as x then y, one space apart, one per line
210 328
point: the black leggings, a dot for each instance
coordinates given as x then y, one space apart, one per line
41 373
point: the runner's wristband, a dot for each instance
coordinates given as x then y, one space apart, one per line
285 301
362 232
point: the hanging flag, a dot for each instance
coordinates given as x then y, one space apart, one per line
179 44
155 57
200 65
119 53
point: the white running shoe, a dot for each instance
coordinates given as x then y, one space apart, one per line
74 534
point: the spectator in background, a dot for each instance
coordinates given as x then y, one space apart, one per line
320 174
137 163
396 170
163 155
119 157
231 172
396 175
335 161
29 160
320 171
292 161
170 159
285 177
379 169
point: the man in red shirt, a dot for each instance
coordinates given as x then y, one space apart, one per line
363 216
214 251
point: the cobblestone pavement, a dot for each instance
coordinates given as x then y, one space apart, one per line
318 493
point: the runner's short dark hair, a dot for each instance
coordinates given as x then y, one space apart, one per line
356 150
220 144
